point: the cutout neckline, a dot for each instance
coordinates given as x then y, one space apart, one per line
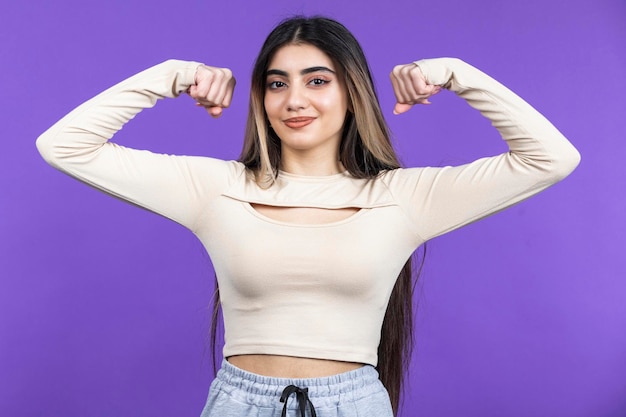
292 215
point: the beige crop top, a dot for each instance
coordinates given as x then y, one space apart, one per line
317 291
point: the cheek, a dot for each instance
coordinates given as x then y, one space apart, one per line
336 105
340 101
272 110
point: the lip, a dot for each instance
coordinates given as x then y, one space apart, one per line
298 122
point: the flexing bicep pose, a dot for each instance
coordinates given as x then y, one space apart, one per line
311 229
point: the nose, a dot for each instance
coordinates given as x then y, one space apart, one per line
297 98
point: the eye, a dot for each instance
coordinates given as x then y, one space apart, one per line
273 85
319 81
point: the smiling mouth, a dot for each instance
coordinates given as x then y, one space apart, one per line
298 122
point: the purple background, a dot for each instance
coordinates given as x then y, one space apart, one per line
104 307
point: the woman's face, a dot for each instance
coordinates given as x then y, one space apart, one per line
305 100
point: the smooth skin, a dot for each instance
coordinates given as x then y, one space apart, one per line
306 103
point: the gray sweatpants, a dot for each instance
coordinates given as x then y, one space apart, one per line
238 393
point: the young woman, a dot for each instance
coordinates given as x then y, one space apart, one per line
333 216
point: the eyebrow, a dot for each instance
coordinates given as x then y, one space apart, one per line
303 72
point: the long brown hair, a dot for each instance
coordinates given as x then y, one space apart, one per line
365 151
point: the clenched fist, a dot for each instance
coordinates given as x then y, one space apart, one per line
213 89
410 87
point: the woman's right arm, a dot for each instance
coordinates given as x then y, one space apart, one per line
173 186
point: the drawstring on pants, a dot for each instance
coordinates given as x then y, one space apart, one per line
302 396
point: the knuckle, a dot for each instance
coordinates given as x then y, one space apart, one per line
201 91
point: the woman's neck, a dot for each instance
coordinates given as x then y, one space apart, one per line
311 165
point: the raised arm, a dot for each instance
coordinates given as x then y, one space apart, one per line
438 200
173 186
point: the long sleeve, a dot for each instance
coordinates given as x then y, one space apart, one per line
438 200
173 186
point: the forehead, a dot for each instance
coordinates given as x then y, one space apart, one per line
296 57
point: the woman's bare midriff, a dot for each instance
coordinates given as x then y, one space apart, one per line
290 366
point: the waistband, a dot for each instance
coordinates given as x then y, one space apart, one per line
326 391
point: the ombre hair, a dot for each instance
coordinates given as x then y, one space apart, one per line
365 151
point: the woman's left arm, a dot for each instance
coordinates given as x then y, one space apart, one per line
441 199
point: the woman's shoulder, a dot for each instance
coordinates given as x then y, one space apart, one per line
391 176
225 171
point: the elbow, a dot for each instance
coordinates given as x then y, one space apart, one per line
47 149
565 163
